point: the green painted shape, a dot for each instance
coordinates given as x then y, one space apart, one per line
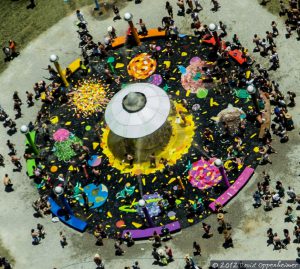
242 93
202 93
110 59
32 135
64 152
29 165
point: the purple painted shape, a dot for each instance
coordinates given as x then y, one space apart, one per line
195 60
233 189
147 233
156 79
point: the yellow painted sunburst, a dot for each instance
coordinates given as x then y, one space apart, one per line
179 144
89 97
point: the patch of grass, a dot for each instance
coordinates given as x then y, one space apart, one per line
5 253
274 7
23 25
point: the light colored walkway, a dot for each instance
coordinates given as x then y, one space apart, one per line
244 17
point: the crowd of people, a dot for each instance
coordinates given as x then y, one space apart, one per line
259 78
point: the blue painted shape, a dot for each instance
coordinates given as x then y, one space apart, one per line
73 222
96 194
182 69
181 35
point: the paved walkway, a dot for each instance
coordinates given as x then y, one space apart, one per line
244 17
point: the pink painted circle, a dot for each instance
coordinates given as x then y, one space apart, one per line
61 135
192 79
204 174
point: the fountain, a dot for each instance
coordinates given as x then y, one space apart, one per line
138 120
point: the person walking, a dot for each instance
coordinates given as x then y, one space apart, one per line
80 16
29 99
16 161
2 160
17 108
155 255
63 239
198 6
270 39
169 9
11 148
180 4
216 5
257 42
291 96
8 186
197 248
207 232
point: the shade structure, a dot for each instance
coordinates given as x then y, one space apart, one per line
137 110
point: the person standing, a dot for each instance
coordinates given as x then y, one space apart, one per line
13 47
223 28
152 159
31 5
228 240
136 265
144 30
274 29
169 253
8 186
112 32
35 237
98 261
117 13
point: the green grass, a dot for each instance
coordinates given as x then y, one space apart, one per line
274 7
5 253
23 25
